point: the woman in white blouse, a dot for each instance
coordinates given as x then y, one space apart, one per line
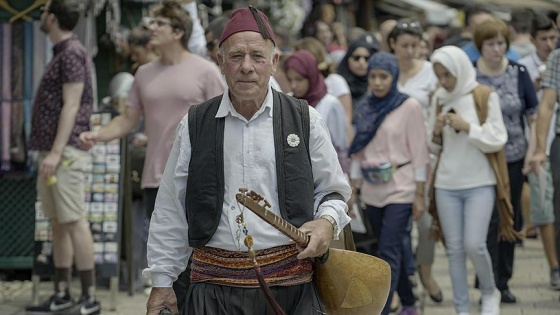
464 180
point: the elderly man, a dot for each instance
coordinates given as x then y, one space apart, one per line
256 138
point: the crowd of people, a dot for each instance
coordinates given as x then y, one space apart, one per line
431 127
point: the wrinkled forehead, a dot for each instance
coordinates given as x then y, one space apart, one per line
247 41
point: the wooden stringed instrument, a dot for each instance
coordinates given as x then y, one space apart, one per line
348 282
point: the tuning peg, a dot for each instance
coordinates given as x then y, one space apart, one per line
256 196
243 190
267 204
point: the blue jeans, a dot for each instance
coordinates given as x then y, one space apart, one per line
390 227
408 253
464 216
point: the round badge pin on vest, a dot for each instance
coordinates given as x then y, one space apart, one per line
293 140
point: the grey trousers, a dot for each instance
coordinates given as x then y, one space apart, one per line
426 245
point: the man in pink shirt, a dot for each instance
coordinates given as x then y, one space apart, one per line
163 91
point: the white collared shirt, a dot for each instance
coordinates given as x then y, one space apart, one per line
249 162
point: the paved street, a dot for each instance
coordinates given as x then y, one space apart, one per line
530 284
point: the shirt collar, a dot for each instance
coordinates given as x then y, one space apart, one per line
226 107
536 59
63 44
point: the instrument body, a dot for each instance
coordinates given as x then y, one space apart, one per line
348 282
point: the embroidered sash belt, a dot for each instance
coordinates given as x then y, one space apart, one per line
279 266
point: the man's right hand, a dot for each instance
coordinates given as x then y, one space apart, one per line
88 139
537 160
161 298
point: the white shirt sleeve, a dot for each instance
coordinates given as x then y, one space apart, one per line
337 85
492 135
421 174
327 173
197 41
356 169
168 248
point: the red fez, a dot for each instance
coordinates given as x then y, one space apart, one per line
248 19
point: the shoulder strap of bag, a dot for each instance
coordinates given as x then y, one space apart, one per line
481 93
498 163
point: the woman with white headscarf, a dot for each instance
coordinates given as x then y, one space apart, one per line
464 179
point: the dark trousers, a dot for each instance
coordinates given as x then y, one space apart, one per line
390 227
502 253
555 169
408 253
150 195
181 285
212 299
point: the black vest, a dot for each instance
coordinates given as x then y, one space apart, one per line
205 184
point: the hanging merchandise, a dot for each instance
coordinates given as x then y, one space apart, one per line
28 78
142 1
17 147
86 30
39 53
6 97
4 5
98 6
113 21
34 6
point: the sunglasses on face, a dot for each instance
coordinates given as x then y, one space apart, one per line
358 57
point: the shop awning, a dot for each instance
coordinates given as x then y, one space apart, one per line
531 4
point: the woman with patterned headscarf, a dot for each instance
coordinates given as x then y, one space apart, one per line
389 165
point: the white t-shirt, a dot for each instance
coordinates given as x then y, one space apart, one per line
337 85
332 112
420 87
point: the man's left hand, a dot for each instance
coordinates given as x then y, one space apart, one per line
320 233
49 165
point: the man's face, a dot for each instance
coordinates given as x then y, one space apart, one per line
162 31
139 54
546 41
247 61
